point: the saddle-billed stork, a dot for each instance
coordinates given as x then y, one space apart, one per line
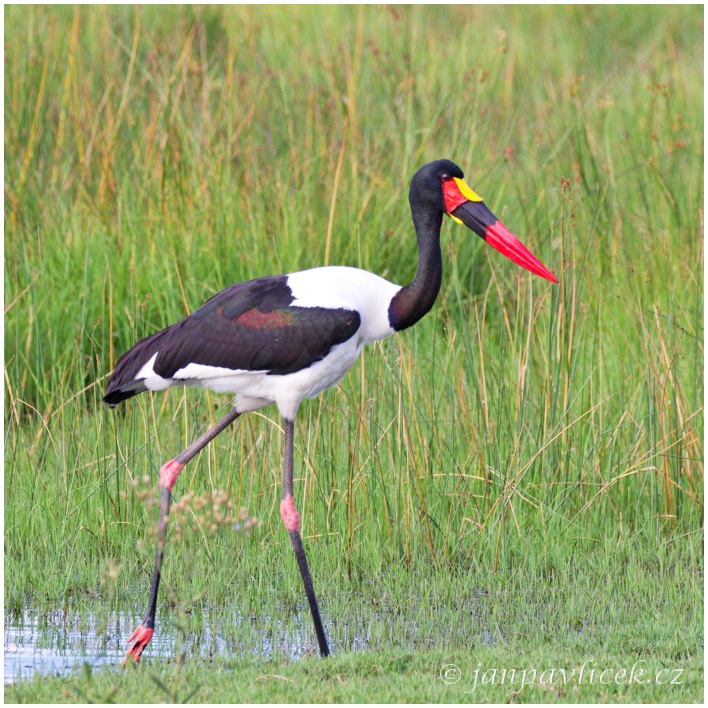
282 338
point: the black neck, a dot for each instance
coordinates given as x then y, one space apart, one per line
415 300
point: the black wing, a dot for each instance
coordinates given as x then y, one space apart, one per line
250 326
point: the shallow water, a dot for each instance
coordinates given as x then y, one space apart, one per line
57 642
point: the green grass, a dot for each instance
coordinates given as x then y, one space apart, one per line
384 677
530 451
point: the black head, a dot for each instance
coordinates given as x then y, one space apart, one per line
426 185
439 188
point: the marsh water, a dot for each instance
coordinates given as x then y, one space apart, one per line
60 641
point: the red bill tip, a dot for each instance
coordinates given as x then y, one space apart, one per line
500 238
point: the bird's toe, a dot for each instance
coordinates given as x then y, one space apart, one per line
140 638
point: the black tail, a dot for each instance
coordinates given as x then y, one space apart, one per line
123 383
115 395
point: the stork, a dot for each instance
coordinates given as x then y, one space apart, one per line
282 338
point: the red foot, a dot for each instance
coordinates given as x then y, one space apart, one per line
169 472
140 638
290 515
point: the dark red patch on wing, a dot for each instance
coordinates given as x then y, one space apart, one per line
256 319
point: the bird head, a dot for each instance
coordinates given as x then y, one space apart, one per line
441 184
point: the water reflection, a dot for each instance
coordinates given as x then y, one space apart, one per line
58 642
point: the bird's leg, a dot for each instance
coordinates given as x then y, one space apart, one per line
291 519
140 638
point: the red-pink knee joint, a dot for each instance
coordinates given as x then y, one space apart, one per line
291 518
169 473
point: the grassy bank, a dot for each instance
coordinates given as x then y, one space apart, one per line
532 452
391 676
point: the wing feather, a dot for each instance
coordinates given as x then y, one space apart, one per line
250 326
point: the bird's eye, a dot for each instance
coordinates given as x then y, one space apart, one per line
445 177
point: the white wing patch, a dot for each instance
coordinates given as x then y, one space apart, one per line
148 369
153 381
204 371
195 372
